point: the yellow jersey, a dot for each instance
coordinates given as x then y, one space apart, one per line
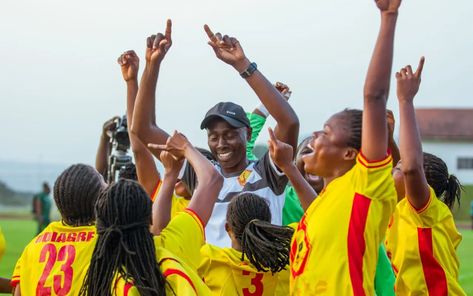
334 250
422 247
178 205
225 273
56 261
3 245
178 255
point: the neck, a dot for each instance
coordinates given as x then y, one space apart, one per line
340 171
236 170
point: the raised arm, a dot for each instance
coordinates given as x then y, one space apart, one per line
229 50
209 180
144 119
412 165
105 147
376 88
281 153
162 206
148 175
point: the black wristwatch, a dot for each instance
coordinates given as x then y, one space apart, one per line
249 71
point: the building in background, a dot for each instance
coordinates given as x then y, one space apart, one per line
448 133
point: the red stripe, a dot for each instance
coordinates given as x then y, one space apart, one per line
194 214
171 271
153 196
433 272
356 241
128 286
14 283
375 161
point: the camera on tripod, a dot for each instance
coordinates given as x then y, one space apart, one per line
120 144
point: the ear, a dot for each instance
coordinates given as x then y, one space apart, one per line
227 227
350 154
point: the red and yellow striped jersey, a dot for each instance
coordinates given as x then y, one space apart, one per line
225 273
422 247
56 261
334 250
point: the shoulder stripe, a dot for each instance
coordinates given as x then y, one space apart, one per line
128 286
433 272
14 282
197 219
356 241
178 272
374 164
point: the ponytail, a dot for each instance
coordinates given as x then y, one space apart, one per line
266 245
452 192
447 187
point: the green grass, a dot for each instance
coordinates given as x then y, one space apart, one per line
19 232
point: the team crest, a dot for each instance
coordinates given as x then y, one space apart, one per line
244 177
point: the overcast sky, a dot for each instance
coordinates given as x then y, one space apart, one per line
59 80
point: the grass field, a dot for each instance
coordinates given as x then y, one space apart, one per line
19 232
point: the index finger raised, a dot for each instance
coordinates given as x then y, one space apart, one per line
168 32
210 34
420 67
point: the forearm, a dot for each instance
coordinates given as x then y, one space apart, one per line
163 203
101 158
144 122
5 285
417 189
209 183
379 72
305 192
131 92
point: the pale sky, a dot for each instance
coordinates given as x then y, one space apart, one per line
59 80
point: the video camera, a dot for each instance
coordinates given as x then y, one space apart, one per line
118 156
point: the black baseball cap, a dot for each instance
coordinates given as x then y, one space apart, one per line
232 113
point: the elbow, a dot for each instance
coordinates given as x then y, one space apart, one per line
414 169
371 94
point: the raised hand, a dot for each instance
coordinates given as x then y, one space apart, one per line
390 6
176 144
228 49
170 163
109 126
129 63
408 82
283 89
158 45
280 152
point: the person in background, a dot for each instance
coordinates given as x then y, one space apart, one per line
42 207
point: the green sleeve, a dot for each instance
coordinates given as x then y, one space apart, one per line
292 210
256 122
384 278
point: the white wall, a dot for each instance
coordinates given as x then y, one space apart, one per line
449 152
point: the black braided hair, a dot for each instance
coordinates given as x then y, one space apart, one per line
447 187
265 245
125 246
75 192
354 119
128 172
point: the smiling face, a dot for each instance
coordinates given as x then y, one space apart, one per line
331 155
228 145
314 181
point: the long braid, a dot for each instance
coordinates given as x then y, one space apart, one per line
125 247
265 245
75 192
447 187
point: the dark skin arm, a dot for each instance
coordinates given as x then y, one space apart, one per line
209 180
144 122
229 50
415 182
148 175
281 153
5 285
377 81
105 148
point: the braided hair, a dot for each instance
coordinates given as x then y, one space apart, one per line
75 192
265 245
447 187
354 119
125 247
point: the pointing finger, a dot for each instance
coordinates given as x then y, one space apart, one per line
420 68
